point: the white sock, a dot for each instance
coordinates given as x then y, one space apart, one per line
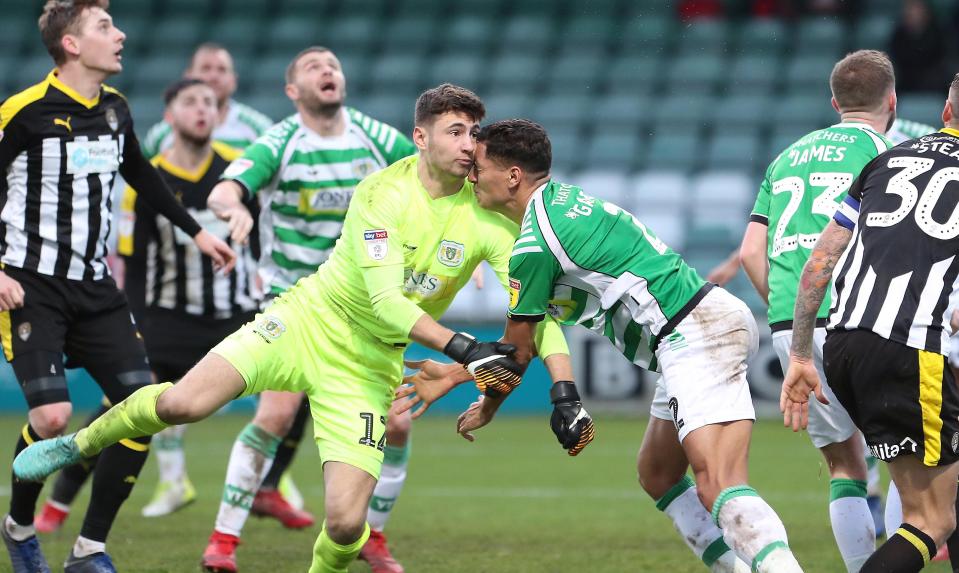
250 461
754 530
852 523
168 446
682 505
84 547
18 532
388 488
893 515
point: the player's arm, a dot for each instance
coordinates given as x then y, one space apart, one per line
13 141
143 177
802 377
753 251
243 178
726 270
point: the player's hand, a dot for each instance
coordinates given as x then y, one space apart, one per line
477 276
431 381
239 221
223 256
474 418
490 363
570 422
11 293
801 379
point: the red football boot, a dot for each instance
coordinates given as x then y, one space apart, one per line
50 518
270 503
377 554
220 553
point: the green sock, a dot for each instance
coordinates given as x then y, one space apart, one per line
331 557
132 418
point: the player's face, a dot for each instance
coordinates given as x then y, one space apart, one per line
490 180
215 68
450 143
320 83
99 42
193 113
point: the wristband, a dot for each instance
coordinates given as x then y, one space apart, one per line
563 391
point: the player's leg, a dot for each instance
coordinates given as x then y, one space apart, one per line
278 477
833 432
704 363
929 513
347 496
396 454
662 466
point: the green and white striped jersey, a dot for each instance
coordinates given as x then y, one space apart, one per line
800 193
240 127
586 261
904 130
305 182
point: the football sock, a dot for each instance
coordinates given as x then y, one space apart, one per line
907 551
71 478
250 460
331 557
287 448
872 475
682 505
852 523
893 513
84 547
754 530
24 494
134 417
389 486
18 532
168 445
114 476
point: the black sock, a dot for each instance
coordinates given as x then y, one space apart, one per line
24 494
113 478
284 453
71 478
908 551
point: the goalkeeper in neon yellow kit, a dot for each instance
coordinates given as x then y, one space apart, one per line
411 239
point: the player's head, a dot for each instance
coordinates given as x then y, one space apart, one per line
446 120
511 155
81 31
315 81
213 64
191 110
864 83
950 114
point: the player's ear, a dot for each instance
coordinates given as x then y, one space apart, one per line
420 137
947 113
291 92
835 105
515 175
70 44
893 101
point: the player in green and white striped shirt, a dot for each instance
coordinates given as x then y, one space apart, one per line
238 125
304 170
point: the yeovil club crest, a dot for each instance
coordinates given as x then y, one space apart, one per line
112 121
451 253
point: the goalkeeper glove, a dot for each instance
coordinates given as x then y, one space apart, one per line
490 363
570 421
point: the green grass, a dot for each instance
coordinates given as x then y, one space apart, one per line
511 502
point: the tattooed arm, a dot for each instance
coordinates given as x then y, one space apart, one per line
802 377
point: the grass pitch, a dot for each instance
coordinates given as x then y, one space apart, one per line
510 502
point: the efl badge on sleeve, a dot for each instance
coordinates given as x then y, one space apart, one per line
237 167
451 253
514 286
376 243
112 121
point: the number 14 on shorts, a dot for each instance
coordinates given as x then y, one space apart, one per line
367 439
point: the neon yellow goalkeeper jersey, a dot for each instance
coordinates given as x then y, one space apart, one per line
439 242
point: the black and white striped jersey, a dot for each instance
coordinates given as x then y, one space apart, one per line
165 269
901 267
59 156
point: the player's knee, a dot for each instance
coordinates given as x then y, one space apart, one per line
655 480
846 459
276 421
50 420
175 409
398 428
345 527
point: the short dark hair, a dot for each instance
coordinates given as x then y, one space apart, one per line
174 89
291 67
518 142
206 47
61 17
447 98
861 80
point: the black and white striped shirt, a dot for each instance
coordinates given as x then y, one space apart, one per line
59 156
901 267
165 269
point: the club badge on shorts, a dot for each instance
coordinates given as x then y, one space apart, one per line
24 331
376 243
451 253
270 328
